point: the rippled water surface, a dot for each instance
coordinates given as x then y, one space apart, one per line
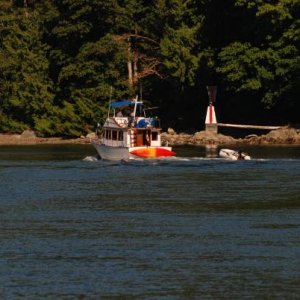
191 227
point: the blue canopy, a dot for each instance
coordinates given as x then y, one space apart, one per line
123 103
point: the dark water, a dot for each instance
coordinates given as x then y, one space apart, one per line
184 228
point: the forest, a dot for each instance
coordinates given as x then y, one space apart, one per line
62 61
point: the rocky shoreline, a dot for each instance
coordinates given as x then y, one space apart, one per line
282 136
29 138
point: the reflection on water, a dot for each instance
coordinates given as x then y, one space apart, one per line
211 151
188 227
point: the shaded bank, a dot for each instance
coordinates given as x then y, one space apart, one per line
286 135
19 139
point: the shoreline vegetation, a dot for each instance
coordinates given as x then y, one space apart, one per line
63 62
282 136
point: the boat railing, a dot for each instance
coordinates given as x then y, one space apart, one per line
137 122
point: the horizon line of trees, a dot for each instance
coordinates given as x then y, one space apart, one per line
60 60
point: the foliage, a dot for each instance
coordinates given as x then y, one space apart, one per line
267 64
62 61
26 92
179 42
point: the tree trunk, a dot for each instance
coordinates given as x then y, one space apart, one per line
135 69
129 65
25 6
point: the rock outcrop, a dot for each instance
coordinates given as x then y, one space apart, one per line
280 136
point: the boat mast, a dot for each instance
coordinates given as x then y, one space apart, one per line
135 105
110 95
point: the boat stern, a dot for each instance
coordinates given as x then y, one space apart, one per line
151 152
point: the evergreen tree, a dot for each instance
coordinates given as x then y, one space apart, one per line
26 91
266 65
179 44
68 30
60 60
96 46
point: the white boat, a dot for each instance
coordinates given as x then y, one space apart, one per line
128 133
233 154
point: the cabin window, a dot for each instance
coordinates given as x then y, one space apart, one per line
154 136
114 135
108 134
120 136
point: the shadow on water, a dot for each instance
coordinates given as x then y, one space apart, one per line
45 152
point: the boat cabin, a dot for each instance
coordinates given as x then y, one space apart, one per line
128 126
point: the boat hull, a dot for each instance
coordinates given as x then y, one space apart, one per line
111 153
119 153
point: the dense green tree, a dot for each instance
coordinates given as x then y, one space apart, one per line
134 29
266 65
96 46
78 60
26 91
179 44
62 60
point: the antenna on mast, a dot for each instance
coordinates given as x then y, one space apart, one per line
110 96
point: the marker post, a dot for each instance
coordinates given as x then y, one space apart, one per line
211 124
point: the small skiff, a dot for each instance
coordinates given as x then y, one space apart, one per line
233 154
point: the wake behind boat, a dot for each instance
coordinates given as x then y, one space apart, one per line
233 155
129 133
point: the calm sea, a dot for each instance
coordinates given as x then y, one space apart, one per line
192 227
